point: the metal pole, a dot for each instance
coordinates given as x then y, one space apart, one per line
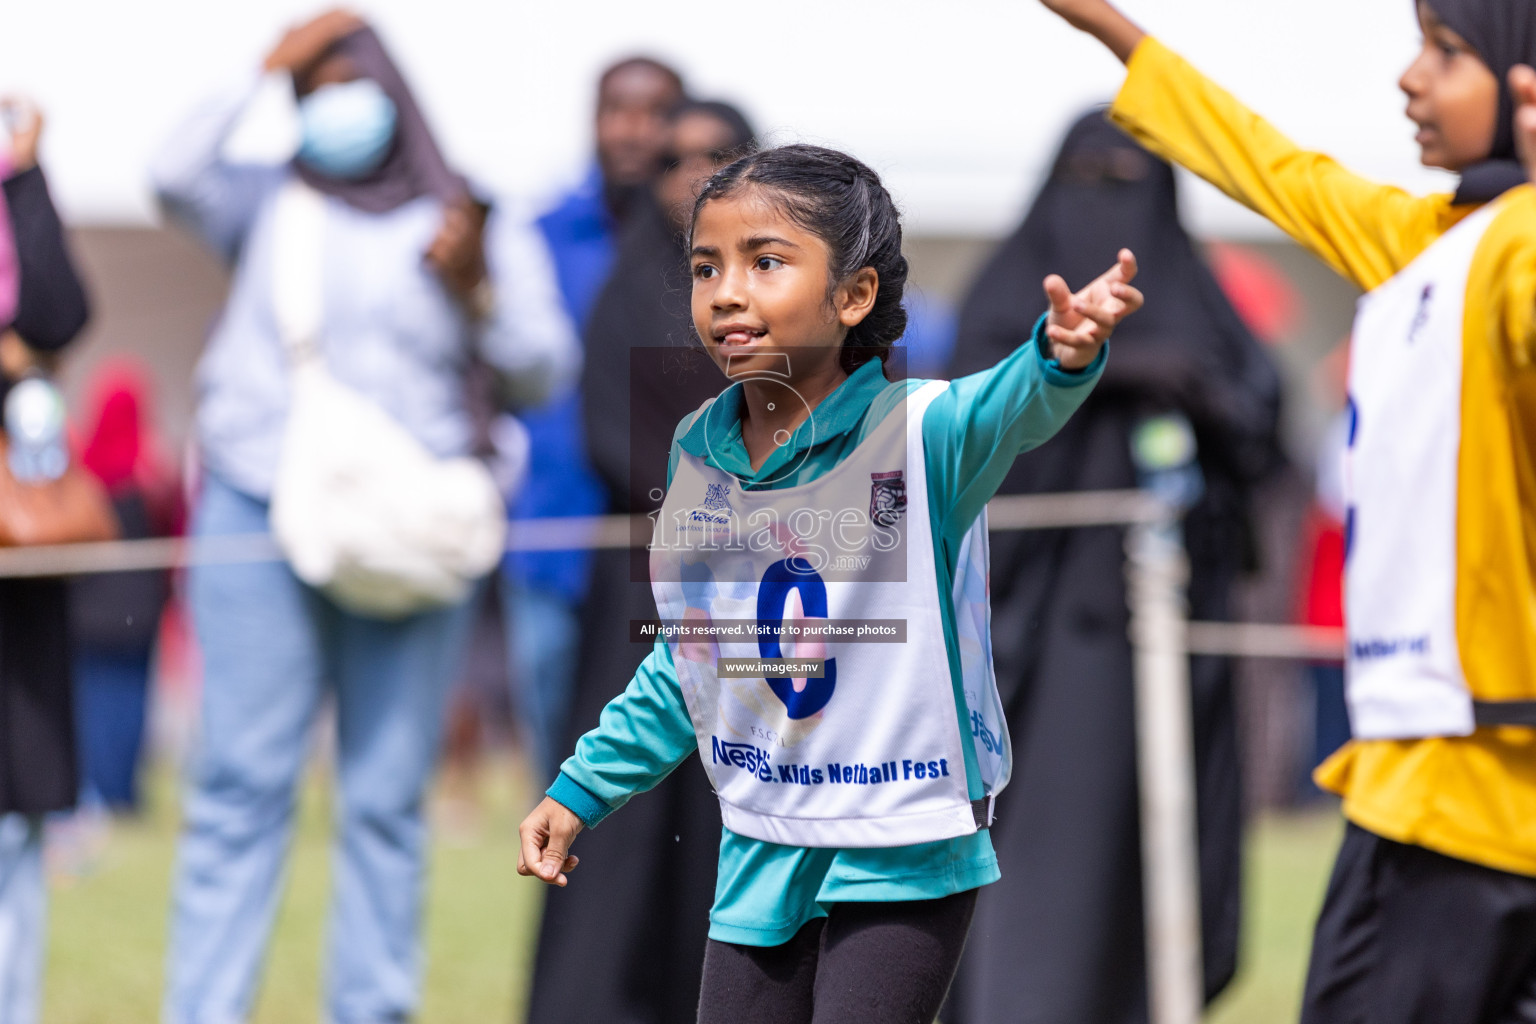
1157 571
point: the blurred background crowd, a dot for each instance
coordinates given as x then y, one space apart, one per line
543 328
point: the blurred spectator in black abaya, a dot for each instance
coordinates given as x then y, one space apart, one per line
1189 402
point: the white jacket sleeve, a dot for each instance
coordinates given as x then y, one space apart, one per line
195 185
528 338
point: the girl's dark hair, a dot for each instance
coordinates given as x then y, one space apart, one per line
841 201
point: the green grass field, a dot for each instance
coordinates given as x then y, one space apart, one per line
1288 860
108 926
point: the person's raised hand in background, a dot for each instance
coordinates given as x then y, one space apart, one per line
303 44
23 121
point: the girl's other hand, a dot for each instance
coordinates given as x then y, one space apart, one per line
1080 324
546 836
1522 83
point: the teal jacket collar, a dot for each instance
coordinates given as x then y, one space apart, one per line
715 435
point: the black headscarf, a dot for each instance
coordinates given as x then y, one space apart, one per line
414 167
1059 612
1187 349
1504 34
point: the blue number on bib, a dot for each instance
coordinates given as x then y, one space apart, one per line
781 578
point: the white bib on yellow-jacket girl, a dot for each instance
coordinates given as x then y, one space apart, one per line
1400 480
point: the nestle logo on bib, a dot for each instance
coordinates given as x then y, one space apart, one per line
887 498
741 755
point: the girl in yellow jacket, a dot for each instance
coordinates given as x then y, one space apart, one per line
1431 912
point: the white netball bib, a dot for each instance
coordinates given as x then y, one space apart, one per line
810 647
1404 669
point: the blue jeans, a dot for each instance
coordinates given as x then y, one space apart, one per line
23 917
543 636
111 697
273 649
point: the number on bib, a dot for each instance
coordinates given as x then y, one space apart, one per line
783 578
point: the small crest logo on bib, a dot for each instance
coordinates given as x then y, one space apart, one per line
887 498
715 508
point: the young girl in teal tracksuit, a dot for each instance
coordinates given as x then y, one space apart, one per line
820 566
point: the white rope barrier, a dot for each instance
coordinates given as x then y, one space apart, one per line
1077 509
1162 637
1023 512
1014 512
1265 640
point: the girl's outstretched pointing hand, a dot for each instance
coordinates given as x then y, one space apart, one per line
1080 324
546 836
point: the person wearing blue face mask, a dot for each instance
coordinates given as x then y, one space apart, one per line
347 128
418 277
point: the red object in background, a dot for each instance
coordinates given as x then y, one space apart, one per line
121 447
1322 562
1260 292
112 452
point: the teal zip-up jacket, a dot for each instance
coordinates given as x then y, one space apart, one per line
971 434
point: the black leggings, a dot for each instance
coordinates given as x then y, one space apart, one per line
865 963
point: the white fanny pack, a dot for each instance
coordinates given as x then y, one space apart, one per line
360 508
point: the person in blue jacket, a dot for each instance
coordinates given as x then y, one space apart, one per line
819 564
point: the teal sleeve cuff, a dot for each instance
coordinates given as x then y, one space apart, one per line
566 790
1057 375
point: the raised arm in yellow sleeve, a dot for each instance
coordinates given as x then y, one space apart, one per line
1364 230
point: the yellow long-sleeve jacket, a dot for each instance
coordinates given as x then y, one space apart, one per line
1470 795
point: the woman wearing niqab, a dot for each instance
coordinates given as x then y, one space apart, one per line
1060 938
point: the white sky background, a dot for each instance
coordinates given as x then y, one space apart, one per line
959 104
